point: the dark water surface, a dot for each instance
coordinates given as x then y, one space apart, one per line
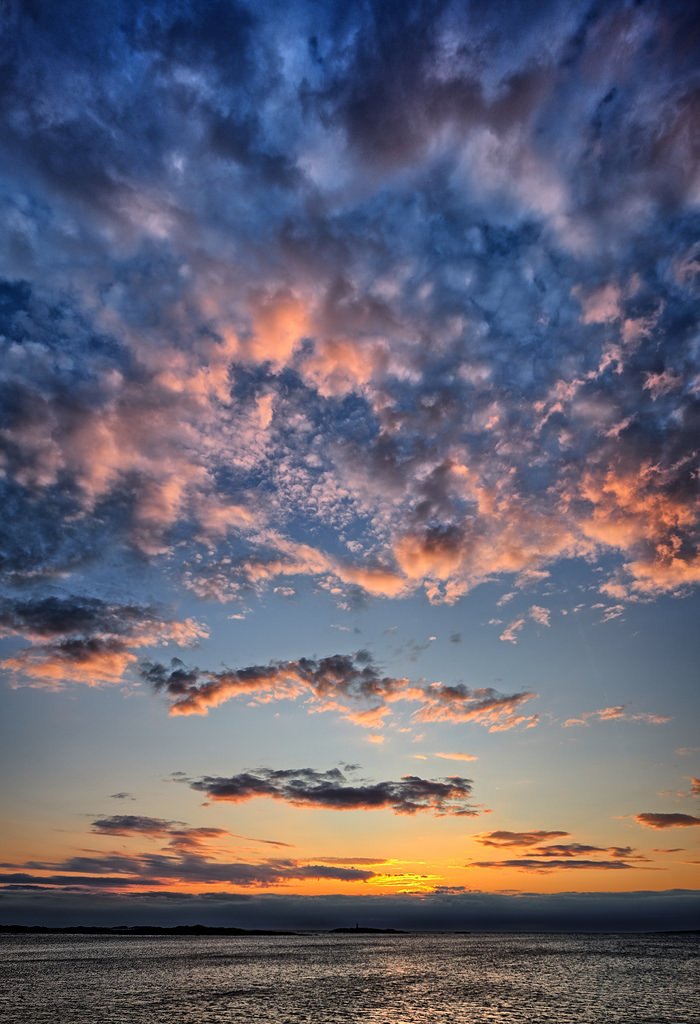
336 979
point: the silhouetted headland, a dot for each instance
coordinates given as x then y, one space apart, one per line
181 929
367 931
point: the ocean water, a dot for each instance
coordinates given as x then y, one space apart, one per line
349 979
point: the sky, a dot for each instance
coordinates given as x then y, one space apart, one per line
349 395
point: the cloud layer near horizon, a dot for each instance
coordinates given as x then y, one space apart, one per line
623 911
185 856
542 856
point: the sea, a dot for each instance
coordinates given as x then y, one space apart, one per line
351 979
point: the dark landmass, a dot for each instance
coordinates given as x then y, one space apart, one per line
201 929
182 929
368 931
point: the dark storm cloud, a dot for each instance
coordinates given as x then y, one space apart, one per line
349 684
654 819
400 268
333 790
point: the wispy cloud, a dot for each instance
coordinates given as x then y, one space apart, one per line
540 615
510 633
183 855
618 713
544 866
456 756
543 855
505 838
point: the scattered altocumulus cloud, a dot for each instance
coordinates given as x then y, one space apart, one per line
216 329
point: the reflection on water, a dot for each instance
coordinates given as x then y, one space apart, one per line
344 979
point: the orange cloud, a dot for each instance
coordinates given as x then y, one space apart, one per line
617 713
339 365
93 663
634 512
280 321
436 553
498 712
457 757
84 640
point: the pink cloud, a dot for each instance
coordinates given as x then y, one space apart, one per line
510 633
617 713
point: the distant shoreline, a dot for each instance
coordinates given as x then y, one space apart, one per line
182 929
205 930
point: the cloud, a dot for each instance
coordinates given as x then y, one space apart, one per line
498 712
177 833
457 756
84 639
76 881
545 865
504 838
350 685
191 869
445 909
134 824
327 680
540 615
185 855
196 357
510 633
695 786
544 855
654 819
616 714
333 790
